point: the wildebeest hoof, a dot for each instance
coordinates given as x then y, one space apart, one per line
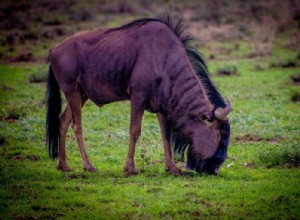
90 169
63 167
174 170
130 171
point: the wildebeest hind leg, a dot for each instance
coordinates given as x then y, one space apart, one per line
170 165
75 102
136 115
65 121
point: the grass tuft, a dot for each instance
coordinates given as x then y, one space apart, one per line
289 62
2 140
227 70
296 78
295 96
39 76
287 155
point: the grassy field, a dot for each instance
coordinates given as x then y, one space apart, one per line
259 180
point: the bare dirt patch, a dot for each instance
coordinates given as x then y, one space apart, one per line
32 158
18 157
77 176
23 57
10 117
255 138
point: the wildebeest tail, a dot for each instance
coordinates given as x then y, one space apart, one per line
53 112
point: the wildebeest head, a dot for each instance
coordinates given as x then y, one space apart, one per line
211 166
210 140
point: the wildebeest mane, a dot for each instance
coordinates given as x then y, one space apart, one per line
174 133
203 74
194 56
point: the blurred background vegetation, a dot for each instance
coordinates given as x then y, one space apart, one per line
252 27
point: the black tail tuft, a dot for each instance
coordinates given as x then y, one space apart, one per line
53 112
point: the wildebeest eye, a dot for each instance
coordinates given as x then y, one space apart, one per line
206 120
203 117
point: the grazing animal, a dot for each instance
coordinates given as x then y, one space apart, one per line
148 62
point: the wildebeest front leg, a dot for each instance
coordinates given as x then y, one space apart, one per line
65 121
170 165
136 115
75 102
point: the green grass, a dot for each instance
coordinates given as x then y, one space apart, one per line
258 180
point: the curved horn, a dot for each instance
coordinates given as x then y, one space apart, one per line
221 113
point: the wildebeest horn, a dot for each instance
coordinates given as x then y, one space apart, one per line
221 113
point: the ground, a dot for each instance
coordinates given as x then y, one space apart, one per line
260 178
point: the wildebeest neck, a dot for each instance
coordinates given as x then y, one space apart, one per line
186 97
184 100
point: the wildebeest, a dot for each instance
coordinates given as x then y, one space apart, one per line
150 63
